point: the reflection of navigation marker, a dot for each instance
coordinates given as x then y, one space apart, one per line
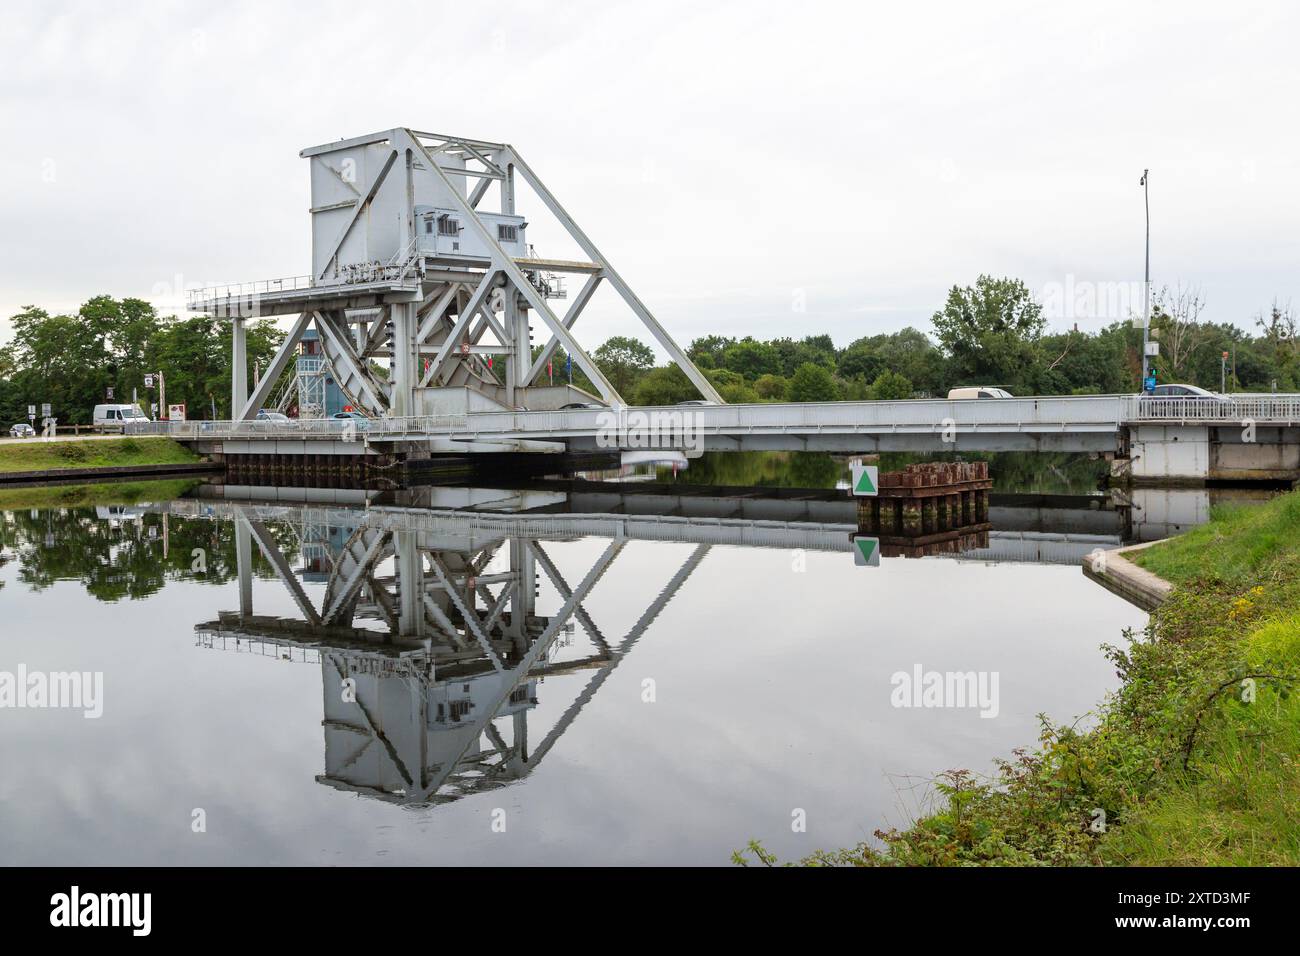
866 479
866 551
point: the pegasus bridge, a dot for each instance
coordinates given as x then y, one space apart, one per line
424 304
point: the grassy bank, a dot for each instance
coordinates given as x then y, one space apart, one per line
82 496
37 455
1194 761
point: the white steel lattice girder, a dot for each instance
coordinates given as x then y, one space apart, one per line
697 377
354 366
462 324
415 156
512 271
570 319
505 265
274 371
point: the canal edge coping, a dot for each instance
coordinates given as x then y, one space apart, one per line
1121 576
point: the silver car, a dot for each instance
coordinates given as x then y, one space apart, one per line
22 430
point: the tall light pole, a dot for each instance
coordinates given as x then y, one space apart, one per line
1146 284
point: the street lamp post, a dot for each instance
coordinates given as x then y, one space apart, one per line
1146 283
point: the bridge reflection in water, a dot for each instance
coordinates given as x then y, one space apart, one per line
426 629
428 640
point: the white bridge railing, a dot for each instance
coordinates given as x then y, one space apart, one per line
1273 409
304 428
199 299
1048 414
357 277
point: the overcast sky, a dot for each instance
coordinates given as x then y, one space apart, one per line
735 161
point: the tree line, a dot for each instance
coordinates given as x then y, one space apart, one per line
993 332
71 361
990 333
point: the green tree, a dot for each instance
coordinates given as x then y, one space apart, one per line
862 359
731 386
990 331
889 386
62 360
813 383
911 354
1081 364
1280 342
706 352
666 385
771 388
818 349
752 358
624 360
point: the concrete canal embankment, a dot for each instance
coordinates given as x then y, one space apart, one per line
37 461
1115 572
73 476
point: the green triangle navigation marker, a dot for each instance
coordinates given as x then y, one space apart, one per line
866 479
866 551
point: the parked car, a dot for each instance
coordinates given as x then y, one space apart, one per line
1174 390
113 418
266 415
697 401
580 405
22 430
361 422
1206 401
978 391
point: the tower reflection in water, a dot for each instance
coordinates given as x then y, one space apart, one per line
429 643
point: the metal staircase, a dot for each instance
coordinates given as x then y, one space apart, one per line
344 363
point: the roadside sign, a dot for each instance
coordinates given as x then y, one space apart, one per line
46 410
148 381
1153 349
176 412
866 479
109 396
866 551
31 411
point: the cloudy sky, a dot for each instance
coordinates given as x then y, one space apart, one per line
751 168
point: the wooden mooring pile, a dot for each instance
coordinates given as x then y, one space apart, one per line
929 508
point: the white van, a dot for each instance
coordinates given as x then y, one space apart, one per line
978 391
112 418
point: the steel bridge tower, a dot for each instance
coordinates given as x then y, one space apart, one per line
416 287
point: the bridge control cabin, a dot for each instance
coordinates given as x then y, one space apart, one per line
407 213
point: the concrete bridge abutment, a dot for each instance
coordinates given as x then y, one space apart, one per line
1194 454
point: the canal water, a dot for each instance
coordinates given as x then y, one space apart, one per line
715 680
